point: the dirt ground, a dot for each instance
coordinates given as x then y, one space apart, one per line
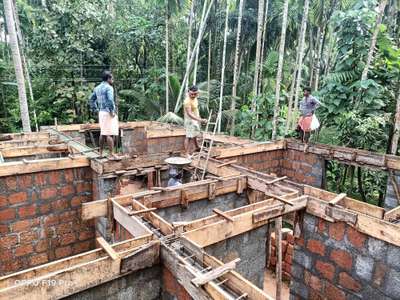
270 285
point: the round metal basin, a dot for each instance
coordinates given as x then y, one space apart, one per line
178 161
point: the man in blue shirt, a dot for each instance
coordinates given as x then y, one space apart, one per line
102 101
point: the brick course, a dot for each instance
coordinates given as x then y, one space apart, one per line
354 265
40 217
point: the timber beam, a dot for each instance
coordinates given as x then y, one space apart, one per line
80 272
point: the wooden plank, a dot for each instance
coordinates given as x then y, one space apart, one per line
180 270
222 214
277 180
85 150
130 223
41 165
251 149
234 212
142 211
154 219
162 133
349 203
212 167
369 225
127 163
342 215
337 199
33 150
237 282
393 214
268 213
143 257
215 273
57 267
227 163
224 229
106 247
75 279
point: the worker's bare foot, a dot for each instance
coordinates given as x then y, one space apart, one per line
305 148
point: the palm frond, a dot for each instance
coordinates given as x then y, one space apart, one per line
171 118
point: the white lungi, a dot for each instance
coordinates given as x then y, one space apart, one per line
108 125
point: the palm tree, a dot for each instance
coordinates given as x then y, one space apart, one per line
303 29
236 65
19 73
196 61
264 31
221 92
382 6
260 20
199 38
280 67
189 42
166 56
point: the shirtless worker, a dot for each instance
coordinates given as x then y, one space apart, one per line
192 120
102 101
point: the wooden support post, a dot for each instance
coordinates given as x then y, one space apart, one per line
184 199
106 247
222 214
278 272
158 175
241 185
110 214
337 199
150 180
211 191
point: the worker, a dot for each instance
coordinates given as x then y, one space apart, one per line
307 109
175 177
102 101
192 121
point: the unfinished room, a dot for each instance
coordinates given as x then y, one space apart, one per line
248 220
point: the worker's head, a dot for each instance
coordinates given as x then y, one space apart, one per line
108 77
193 91
307 91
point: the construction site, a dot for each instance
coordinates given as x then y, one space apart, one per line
76 226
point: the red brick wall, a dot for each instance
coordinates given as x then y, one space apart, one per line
268 162
287 254
302 167
165 144
40 217
171 288
336 261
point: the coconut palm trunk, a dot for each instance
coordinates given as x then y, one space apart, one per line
189 42
257 62
279 71
166 57
370 56
199 38
236 66
264 33
19 73
221 91
196 61
301 54
396 133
